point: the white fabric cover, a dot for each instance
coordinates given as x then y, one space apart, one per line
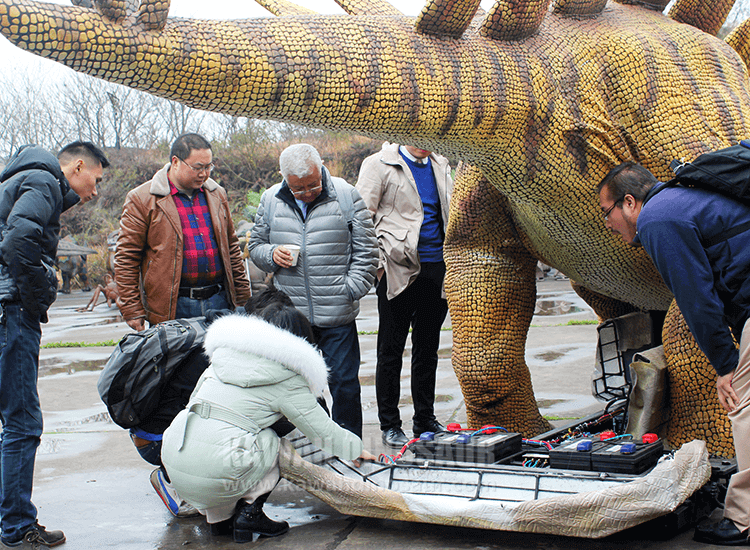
593 514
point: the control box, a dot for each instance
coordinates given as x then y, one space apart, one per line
482 448
604 454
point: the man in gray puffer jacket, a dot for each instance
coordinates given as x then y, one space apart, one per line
338 257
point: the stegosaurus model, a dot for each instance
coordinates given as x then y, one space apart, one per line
538 101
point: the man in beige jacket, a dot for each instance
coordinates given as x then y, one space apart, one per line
408 191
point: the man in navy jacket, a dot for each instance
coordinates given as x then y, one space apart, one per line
35 189
692 236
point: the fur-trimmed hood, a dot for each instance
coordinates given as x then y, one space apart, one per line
230 338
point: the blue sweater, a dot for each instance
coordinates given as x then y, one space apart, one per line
430 246
711 283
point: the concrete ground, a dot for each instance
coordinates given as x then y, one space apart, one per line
91 482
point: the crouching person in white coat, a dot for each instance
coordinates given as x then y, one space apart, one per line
220 452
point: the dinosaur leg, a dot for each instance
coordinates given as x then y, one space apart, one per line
694 410
491 291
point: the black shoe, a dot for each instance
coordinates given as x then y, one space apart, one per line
394 438
223 528
724 533
430 426
251 519
38 536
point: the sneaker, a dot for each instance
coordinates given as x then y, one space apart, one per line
36 537
176 506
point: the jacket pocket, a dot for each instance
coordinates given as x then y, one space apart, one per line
393 245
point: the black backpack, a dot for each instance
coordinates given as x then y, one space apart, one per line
725 171
140 367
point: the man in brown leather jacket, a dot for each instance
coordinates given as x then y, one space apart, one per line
177 254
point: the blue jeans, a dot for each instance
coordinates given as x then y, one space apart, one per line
21 415
188 307
151 451
340 347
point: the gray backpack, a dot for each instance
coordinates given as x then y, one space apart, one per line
142 365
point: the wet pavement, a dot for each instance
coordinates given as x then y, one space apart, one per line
91 483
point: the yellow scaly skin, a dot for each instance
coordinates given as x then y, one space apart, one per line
538 120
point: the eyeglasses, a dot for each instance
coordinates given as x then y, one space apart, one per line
198 169
306 191
608 211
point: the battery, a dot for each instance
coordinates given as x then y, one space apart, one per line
627 457
575 454
483 448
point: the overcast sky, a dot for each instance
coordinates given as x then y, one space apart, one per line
12 58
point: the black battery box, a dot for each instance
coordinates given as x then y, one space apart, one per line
575 454
627 457
597 453
481 448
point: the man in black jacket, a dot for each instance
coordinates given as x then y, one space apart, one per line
35 188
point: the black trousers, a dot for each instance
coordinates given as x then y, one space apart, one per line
421 308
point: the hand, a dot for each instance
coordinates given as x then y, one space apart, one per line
366 455
282 257
137 324
727 396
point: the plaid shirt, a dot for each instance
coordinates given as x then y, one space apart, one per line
201 261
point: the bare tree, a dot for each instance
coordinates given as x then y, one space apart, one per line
178 119
28 114
108 114
78 106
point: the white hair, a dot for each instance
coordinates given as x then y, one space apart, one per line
298 160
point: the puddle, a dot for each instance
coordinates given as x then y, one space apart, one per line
99 417
48 367
49 446
111 320
555 307
552 354
547 403
565 404
97 323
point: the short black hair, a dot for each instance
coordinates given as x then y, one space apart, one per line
85 150
266 297
628 178
184 144
288 318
